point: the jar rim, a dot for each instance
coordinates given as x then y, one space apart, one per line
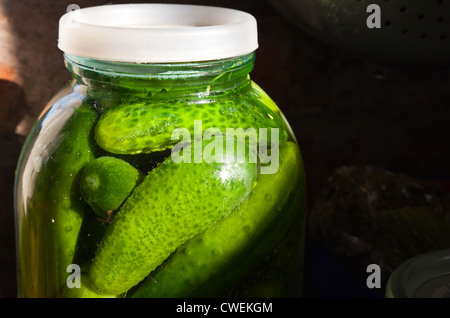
157 33
424 274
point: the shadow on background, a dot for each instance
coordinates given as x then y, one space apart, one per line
12 109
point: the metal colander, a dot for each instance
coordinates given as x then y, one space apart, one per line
412 33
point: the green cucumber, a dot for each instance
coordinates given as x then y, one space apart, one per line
83 291
55 210
174 202
225 249
106 182
141 127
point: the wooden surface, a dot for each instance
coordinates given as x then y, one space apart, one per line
343 109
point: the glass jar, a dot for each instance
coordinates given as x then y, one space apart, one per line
426 275
162 169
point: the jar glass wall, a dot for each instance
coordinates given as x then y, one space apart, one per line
177 178
129 112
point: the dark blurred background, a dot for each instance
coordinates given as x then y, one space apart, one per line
347 107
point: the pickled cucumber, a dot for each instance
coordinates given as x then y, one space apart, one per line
136 128
55 211
174 202
83 291
106 182
231 241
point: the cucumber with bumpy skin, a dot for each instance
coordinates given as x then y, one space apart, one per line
215 252
174 202
83 291
137 128
106 182
56 209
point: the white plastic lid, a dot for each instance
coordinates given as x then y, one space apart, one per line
157 33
